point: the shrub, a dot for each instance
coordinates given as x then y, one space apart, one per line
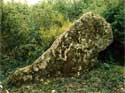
115 16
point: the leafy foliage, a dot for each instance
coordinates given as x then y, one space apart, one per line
115 16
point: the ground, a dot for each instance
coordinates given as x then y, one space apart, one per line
103 78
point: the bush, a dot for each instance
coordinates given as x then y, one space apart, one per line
115 16
24 33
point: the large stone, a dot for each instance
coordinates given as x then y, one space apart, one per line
72 53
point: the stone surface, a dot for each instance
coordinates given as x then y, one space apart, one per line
72 53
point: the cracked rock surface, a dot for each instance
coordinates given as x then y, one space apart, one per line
72 53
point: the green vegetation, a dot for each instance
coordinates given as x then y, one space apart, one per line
115 16
27 31
104 78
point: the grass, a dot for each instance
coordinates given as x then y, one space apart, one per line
103 78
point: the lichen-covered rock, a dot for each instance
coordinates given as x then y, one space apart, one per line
74 52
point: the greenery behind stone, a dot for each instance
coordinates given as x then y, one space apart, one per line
26 32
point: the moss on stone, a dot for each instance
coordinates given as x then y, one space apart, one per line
73 53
